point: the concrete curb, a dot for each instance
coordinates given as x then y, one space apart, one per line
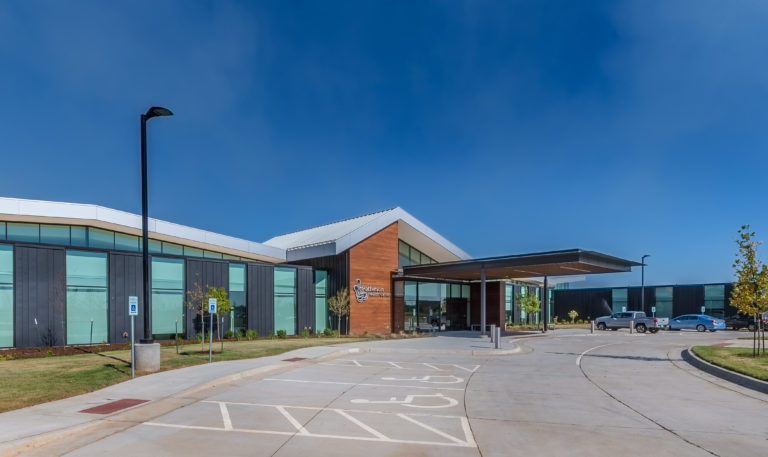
722 373
17 447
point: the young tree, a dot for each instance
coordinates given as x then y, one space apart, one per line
198 302
529 303
573 314
339 305
223 304
750 291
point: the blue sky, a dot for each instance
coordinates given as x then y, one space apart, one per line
627 127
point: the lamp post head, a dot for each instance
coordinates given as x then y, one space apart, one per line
157 111
642 259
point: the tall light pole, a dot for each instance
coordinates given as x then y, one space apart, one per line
642 282
154 111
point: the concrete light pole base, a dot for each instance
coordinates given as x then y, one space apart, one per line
147 357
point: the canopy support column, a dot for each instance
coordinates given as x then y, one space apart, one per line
482 300
545 307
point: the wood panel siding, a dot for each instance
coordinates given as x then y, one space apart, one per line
373 261
494 303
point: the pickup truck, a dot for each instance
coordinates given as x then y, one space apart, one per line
642 323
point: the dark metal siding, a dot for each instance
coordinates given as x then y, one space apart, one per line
337 267
261 298
687 299
589 303
203 273
40 289
305 300
125 279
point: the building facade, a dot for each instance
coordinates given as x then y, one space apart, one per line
666 300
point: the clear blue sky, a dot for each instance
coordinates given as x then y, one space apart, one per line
627 127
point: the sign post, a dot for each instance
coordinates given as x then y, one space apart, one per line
133 311
211 310
703 310
653 310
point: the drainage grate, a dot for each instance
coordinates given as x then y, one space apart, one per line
111 407
294 359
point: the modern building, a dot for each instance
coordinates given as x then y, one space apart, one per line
67 270
661 301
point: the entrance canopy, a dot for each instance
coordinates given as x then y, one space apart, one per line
554 263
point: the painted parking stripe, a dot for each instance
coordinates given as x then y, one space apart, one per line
225 416
341 383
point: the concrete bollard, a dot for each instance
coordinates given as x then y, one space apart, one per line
493 331
497 338
591 326
631 326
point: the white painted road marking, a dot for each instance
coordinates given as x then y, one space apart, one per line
462 441
429 379
578 359
340 383
399 365
408 401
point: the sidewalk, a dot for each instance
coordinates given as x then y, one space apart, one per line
36 425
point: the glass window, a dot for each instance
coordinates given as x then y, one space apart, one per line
415 257
78 236
237 295
663 301
509 302
285 300
404 253
714 300
126 242
230 257
172 249
87 302
167 295
321 300
619 299
410 296
155 247
54 234
193 252
211 254
2 230
6 295
17 231
101 239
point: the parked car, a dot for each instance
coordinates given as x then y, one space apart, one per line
739 321
641 322
700 322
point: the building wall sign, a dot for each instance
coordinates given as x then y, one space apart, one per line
362 292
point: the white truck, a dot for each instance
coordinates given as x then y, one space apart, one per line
641 322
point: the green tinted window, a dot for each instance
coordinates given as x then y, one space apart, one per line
125 242
2 230
619 300
173 249
155 247
193 252
237 294
321 297
285 300
167 295
17 231
101 239
79 236
54 234
6 295
87 301
212 255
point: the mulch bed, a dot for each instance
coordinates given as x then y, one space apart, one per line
55 351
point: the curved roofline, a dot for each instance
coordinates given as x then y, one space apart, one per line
43 211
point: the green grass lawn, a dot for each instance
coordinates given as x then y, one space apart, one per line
739 360
27 382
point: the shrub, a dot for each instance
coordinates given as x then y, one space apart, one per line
573 314
305 332
281 334
328 332
251 334
229 334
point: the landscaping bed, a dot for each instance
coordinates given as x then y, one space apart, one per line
735 359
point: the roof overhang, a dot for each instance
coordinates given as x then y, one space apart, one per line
555 263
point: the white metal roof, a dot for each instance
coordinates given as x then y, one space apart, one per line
19 209
337 237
